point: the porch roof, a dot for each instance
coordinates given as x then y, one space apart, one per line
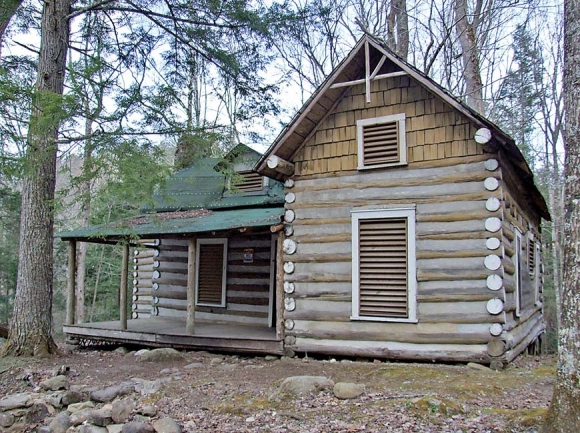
177 223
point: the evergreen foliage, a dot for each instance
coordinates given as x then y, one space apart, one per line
518 100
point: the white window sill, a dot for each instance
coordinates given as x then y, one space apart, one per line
391 164
383 319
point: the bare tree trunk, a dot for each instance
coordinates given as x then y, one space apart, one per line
564 412
31 327
402 27
85 194
467 35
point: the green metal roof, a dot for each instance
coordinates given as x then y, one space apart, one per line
180 222
196 200
203 186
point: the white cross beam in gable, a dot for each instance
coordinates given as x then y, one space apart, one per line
369 76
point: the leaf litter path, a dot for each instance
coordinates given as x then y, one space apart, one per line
225 393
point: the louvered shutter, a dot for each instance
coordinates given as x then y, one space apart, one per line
249 181
383 266
210 274
380 143
531 257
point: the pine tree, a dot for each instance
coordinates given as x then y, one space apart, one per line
518 100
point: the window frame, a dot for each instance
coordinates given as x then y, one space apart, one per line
518 271
361 123
537 273
409 214
199 242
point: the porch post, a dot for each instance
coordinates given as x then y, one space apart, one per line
190 323
71 283
123 287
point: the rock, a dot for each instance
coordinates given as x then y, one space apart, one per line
432 405
141 418
15 401
147 410
165 354
137 427
228 367
60 423
345 390
80 416
300 385
287 359
55 383
216 360
122 350
169 371
122 409
148 387
141 352
108 394
166 425
476 366
71 397
44 429
55 399
36 413
16 428
91 429
6 419
271 358
101 417
193 365
114 428
75 407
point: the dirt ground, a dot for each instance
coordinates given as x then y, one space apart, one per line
231 393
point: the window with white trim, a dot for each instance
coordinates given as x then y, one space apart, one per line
211 263
384 282
537 273
518 273
381 141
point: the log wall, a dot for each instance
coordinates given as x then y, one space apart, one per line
144 264
450 197
521 329
247 289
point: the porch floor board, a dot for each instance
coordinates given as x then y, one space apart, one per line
170 332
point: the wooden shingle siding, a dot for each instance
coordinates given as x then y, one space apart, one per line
210 276
249 181
383 267
434 131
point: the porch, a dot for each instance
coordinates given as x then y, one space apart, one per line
171 332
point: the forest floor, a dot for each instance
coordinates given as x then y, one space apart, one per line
229 393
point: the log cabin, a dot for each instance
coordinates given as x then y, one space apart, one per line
412 222
203 262
389 220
